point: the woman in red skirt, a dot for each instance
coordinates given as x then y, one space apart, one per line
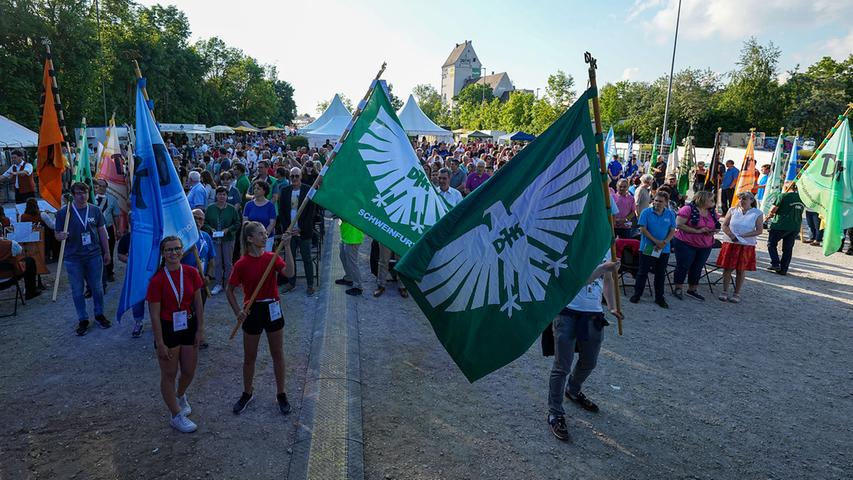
742 226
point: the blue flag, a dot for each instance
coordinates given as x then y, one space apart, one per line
158 207
609 145
793 164
626 173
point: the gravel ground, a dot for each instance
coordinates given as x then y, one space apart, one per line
90 407
761 389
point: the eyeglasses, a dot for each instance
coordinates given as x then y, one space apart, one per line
295 176
173 250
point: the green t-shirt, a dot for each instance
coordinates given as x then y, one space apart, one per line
243 186
789 214
351 235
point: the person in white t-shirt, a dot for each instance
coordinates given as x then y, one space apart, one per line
451 195
579 326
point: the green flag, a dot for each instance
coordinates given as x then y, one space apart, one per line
494 271
83 172
376 182
773 187
654 162
827 187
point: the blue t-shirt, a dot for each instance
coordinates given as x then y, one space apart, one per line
615 168
263 214
197 196
729 177
657 225
74 247
205 252
630 170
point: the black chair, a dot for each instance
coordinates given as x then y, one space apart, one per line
630 264
9 279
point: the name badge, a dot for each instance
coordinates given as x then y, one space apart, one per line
275 311
219 234
179 321
86 238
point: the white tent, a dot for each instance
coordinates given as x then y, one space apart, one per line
335 109
13 134
330 131
417 124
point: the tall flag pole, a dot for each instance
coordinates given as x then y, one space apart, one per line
317 184
826 186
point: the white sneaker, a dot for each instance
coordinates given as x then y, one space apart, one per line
216 289
182 424
184 405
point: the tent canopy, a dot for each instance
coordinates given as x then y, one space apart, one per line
272 128
331 131
416 123
221 129
244 126
478 134
518 136
13 134
335 109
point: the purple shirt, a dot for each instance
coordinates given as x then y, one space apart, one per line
475 180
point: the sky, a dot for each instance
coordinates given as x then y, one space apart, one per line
323 47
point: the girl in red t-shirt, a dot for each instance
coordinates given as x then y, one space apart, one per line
177 320
265 313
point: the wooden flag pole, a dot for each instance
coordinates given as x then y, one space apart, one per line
317 183
61 251
593 64
193 248
820 147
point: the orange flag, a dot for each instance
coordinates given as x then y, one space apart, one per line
747 180
51 161
112 168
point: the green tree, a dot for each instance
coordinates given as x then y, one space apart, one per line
752 97
429 101
474 93
396 102
560 90
517 112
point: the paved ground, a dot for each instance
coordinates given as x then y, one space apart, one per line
763 389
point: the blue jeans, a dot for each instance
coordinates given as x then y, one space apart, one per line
689 261
86 271
813 221
139 311
570 329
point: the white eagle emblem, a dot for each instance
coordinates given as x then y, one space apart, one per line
513 260
405 192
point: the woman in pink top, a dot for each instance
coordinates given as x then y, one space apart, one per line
696 224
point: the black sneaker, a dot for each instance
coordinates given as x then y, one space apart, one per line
241 404
82 328
773 268
102 321
111 277
558 427
782 272
695 295
355 292
634 299
343 281
583 401
137 330
662 303
283 404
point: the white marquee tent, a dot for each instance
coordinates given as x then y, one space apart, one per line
13 134
330 131
417 124
335 109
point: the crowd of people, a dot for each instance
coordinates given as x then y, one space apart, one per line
244 193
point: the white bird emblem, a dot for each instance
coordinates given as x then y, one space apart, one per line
510 259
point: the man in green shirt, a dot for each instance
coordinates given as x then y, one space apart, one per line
224 221
785 218
351 239
243 183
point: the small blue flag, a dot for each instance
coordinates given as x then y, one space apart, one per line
793 163
609 145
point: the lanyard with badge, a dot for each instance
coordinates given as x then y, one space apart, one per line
179 318
85 237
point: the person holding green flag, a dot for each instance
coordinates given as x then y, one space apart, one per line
785 218
826 186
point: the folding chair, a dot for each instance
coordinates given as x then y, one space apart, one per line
8 279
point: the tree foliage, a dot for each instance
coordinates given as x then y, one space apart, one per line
208 82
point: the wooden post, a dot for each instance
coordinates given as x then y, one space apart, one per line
317 184
596 110
61 251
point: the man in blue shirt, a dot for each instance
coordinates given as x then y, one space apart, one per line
614 170
657 226
729 184
197 196
86 252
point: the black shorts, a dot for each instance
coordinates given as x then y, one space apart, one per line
258 319
186 337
